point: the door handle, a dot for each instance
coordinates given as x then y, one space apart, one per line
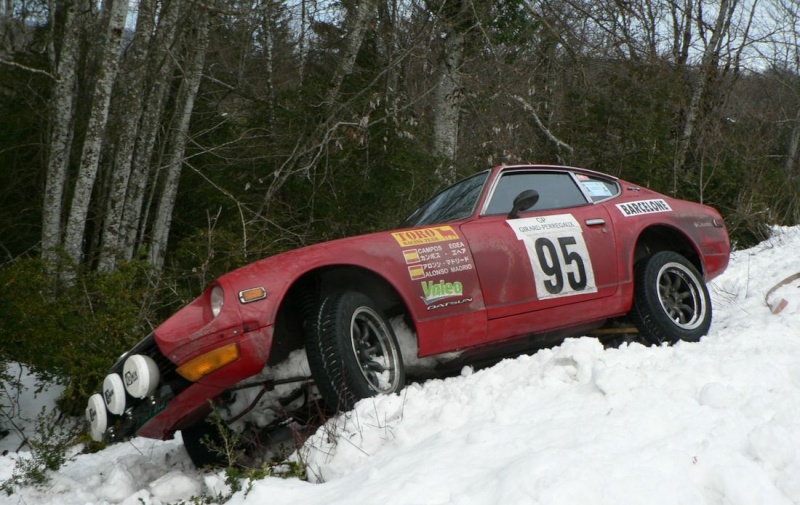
595 222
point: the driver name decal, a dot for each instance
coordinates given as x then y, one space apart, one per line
643 207
558 254
425 236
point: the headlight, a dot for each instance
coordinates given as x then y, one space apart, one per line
114 394
97 417
217 300
140 374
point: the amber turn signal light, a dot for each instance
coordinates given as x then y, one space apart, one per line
252 295
204 364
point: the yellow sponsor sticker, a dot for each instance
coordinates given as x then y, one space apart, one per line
425 236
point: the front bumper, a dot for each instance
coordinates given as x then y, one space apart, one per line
176 402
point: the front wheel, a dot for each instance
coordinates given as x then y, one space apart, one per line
671 300
205 442
352 350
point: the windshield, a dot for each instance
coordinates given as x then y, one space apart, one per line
454 203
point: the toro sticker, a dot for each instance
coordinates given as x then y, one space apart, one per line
643 207
425 236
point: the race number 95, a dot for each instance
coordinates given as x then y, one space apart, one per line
555 266
558 255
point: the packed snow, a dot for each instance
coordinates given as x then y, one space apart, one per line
714 422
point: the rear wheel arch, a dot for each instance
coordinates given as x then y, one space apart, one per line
663 252
659 238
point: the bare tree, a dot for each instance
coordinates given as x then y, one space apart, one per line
308 149
95 132
161 64
786 49
64 62
128 101
358 21
707 71
177 143
456 19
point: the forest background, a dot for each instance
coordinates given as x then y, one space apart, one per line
146 148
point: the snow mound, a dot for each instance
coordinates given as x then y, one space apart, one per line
714 422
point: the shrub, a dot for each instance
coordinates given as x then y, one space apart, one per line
72 337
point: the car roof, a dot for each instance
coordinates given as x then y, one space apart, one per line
586 171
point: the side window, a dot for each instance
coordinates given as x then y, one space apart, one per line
557 190
598 189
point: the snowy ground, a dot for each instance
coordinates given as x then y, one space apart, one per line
715 422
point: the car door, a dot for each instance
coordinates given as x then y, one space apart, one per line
559 253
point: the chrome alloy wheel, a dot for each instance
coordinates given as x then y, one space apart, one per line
375 350
680 293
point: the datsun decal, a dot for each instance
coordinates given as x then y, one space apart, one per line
643 207
449 303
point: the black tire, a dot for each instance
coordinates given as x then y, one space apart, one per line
670 301
202 441
352 351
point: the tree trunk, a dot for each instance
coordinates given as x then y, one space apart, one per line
269 50
449 93
301 43
358 21
189 87
130 103
708 68
163 63
95 131
60 142
790 165
681 30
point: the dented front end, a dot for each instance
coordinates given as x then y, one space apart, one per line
166 382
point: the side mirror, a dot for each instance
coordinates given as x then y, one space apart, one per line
523 201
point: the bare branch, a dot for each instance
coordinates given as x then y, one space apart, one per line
560 144
29 69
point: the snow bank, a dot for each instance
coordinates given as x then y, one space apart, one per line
714 422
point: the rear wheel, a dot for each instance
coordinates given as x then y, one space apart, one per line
671 300
352 350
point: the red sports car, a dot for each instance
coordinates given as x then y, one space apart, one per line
509 259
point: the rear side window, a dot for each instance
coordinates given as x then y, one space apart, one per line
557 190
598 189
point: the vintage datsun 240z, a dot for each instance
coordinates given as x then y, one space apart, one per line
506 260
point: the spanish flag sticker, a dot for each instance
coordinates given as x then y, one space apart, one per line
411 256
416 272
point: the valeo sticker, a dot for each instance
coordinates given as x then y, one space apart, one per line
438 290
425 236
